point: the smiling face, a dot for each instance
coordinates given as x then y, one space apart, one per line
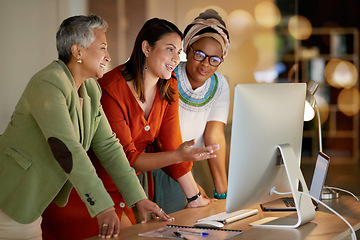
96 56
163 57
198 72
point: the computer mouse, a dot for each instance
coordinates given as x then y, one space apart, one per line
209 224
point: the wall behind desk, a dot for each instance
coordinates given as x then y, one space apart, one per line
27 44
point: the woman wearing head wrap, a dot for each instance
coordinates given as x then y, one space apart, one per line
204 96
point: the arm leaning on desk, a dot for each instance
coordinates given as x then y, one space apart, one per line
326 225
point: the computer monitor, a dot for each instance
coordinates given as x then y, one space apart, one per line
265 148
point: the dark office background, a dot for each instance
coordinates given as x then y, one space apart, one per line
331 13
334 13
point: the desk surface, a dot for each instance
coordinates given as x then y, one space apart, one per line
326 225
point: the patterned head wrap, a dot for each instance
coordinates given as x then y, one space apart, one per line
199 24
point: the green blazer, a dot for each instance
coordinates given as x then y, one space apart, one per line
43 151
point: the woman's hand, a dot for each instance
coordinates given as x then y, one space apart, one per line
199 202
109 224
146 206
188 153
203 193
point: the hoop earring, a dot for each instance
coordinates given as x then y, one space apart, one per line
79 61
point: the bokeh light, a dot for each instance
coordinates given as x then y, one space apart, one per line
299 27
267 14
240 21
341 73
324 108
349 101
329 72
266 43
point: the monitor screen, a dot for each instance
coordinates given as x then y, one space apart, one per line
264 117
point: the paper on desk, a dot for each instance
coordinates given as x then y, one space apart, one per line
194 233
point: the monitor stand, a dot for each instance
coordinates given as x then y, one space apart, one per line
304 206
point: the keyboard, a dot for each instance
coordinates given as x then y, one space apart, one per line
225 217
289 201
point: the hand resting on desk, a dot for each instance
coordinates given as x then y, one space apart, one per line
109 224
146 206
203 193
199 202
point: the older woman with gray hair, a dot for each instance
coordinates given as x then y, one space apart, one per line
43 151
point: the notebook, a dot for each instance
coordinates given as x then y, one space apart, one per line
193 233
317 184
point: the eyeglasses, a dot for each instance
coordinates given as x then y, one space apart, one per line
199 56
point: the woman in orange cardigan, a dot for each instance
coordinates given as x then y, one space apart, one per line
141 102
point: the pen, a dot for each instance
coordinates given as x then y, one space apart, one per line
179 235
203 234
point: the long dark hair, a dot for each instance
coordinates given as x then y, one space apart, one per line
152 31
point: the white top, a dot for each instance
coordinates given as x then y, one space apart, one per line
210 102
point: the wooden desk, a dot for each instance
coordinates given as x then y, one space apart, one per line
326 225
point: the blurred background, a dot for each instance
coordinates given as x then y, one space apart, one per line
270 41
